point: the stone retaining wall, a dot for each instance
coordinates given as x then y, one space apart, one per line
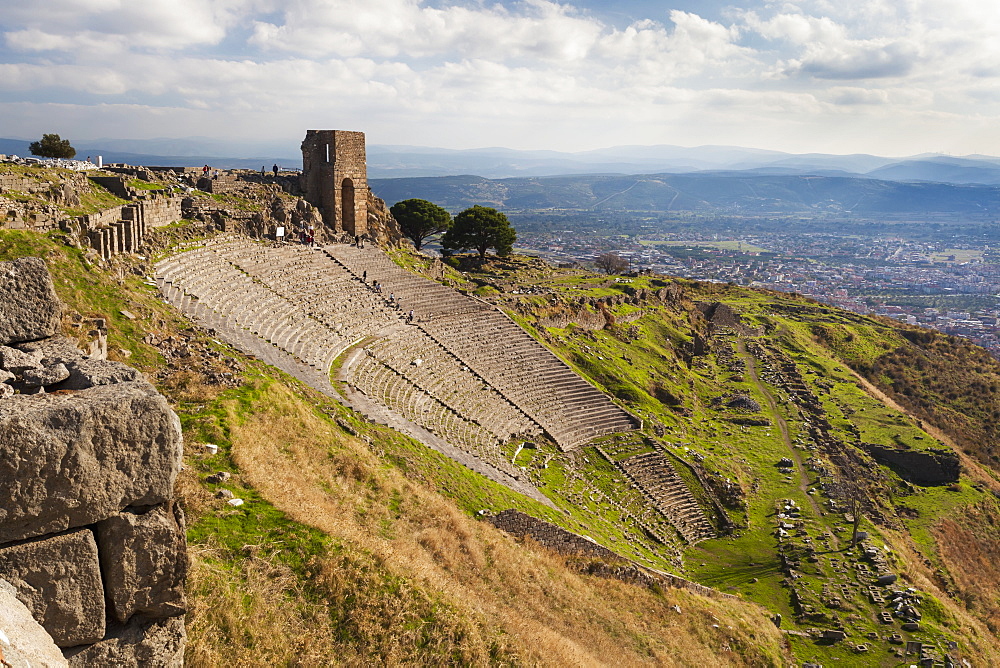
566 542
923 467
90 536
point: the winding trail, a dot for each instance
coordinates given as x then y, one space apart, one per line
782 425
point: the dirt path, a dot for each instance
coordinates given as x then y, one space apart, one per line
772 403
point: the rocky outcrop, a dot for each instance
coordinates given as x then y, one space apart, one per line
382 227
90 538
936 466
29 308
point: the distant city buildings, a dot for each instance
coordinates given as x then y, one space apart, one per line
951 289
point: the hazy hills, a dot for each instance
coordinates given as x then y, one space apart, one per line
732 192
385 161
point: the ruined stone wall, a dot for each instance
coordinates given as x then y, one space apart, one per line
568 543
554 538
923 467
90 537
122 229
160 212
33 215
335 179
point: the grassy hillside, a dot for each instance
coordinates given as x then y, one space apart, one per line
673 366
355 542
346 550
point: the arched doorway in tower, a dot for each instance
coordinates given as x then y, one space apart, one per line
347 208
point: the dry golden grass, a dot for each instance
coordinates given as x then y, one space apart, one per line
189 385
969 545
983 648
459 591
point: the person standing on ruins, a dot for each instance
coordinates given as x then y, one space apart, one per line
275 170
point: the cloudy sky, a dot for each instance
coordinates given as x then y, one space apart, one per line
891 77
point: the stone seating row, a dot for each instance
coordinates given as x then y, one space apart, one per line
428 299
655 475
231 293
327 293
570 409
393 390
413 354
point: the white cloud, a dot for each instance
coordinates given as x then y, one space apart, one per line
536 72
65 25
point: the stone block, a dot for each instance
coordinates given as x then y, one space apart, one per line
69 460
17 361
144 562
58 579
45 376
158 644
29 307
23 641
86 373
57 350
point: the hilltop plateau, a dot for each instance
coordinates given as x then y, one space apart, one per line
789 482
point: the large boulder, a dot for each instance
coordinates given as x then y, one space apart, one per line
23 641
59 580
69 460
29 307
158 644
144 562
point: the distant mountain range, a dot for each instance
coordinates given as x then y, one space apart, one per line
494 163
734 192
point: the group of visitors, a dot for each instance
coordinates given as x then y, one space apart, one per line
394 301
307 235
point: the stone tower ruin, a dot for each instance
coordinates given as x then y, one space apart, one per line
335 178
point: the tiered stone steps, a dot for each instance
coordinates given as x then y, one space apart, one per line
393 389
426 298
419 359
526 373
473 360
655 475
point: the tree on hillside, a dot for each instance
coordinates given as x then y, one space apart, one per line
51 146
611 263
480 228
420 219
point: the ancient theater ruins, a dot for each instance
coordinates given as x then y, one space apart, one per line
457 373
